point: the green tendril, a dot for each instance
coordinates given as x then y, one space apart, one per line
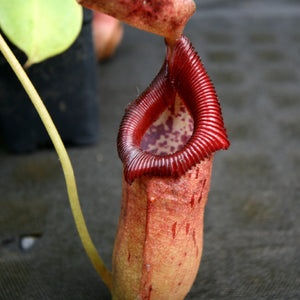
86 240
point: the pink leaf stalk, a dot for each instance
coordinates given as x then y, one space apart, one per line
107 34
166 141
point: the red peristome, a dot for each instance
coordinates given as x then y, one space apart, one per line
182 74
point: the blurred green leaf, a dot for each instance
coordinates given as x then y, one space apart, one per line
41 28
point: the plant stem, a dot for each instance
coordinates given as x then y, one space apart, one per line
64 160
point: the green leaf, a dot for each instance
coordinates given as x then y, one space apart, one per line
41 28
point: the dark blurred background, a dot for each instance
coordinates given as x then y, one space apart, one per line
251 50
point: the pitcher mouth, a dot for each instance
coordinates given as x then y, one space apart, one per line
182 75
